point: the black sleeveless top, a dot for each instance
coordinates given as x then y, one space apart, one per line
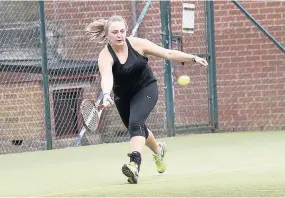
131 76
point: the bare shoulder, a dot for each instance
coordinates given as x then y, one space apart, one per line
104 52
146 47
137 40
138 44
105 56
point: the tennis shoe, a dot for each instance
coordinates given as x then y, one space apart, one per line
131 171
159 158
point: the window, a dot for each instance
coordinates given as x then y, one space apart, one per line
66 111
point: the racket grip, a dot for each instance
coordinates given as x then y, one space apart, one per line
101 107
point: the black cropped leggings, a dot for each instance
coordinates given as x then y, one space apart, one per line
135 109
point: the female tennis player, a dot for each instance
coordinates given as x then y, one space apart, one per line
123 65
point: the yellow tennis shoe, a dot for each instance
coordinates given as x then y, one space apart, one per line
159 158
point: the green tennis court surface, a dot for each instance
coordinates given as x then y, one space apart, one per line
206 165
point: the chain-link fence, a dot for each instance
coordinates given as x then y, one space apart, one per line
73 72
192 110
250 77
250 68
21 100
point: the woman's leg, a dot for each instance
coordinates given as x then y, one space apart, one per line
141 106
152 143
123 107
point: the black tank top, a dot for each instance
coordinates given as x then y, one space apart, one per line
131 76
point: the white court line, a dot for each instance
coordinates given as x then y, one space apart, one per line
160 180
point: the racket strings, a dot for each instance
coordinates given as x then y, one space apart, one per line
90 116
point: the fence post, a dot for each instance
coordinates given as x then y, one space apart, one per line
45 74
165 14
212 64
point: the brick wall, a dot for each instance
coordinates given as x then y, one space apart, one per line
191 102
21 111
249 66
73 17
250 69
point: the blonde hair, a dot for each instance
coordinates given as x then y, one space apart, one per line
98 29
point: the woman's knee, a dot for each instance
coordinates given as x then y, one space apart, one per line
137 128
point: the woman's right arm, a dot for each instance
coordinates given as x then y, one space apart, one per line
105 63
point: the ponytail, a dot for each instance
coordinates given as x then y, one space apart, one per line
97 30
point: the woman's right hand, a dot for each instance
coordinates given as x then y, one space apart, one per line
201 61
107 100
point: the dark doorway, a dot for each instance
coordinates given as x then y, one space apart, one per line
66 112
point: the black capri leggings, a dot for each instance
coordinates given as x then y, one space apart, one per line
134 110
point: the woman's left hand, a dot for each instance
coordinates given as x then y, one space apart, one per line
201 61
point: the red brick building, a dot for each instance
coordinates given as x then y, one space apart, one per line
250 68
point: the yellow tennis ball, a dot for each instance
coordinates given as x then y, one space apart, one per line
183 80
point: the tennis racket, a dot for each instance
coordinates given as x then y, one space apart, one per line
90 112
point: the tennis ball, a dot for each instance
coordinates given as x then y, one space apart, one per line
183 80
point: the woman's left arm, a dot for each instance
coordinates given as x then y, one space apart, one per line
150 48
